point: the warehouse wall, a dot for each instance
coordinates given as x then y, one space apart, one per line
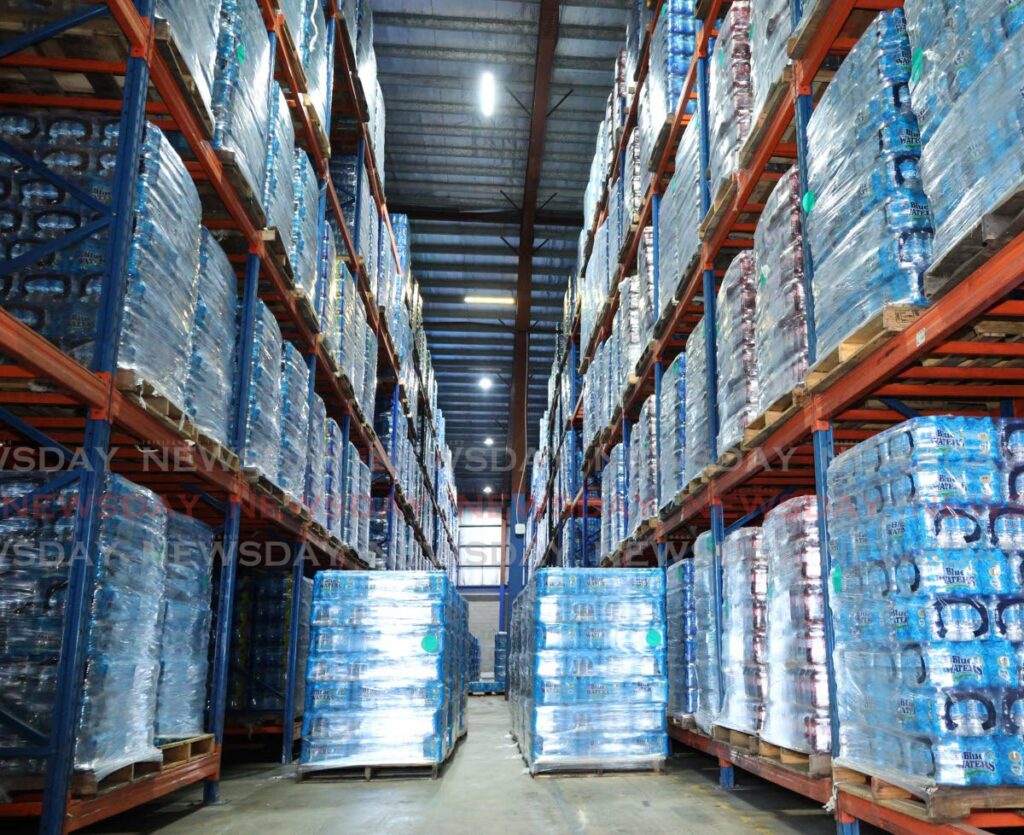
483 622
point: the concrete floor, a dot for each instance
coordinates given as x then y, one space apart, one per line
486 789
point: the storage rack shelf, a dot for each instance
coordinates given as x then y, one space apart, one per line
49 400
960 354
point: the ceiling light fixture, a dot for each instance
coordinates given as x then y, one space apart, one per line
488 490
488 93
508 301
486 383
488 441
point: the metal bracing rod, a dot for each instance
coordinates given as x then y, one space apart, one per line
294 626
82 571
50 30
33 434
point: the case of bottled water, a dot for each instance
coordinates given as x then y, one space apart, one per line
698 439
184 628
294 412
195 30
771 24
386 675
209 389
304 219
643 467
927 601
780 307
588 685
672 429
614 500
317 60
681 638
317 462
730 94
262 442
868 225
965 82
673 44
736 350
279 182
706 664
334 478
680 212
241 89
796 711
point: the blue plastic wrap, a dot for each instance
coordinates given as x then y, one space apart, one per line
744 620
965 83
305 224
679 216
384 682
673 45
643 467
698 440
209 392
185 628
294 411
501 657
926 592
614 500
868 224
587 676
195 29
123 640
262 443
241 89
771 25
707 661
681 639
278 185
330 284
369 381
334 477
672 429
316 461
736 351
730 95
796 713
163 265
780 320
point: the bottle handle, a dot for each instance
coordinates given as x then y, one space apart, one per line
958 513
944 602
1001 608
970 696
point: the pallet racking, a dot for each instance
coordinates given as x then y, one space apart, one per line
48 400
961 355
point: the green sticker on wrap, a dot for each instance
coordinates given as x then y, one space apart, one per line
430 643
810 198
837 580
653 638
240 53
917 65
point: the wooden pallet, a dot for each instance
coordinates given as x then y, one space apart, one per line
685 721
168 49
722 201
734 738
656 766
775 99
250 200
892 319
659 144
292 49
762 426
813 765
149 397
937 804
216 451
319 133
181 751
273 242
991 233
370 772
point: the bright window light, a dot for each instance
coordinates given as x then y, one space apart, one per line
488 93
486 383
503 300
488 490
488 441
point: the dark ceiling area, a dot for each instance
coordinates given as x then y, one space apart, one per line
461 177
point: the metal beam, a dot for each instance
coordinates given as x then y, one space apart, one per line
547 40
457 23
572 220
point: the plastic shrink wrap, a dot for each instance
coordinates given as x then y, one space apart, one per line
736 351
672 430
384 680
241 89
730 95
707 663
304 254
261 631
796 714
262 444
679 214
333 479
681 637
185 628
587 679
639 16
643 467
369 380
116 721
317 60
698 439
501 657
632 339
925 593
294 423
966 67
195 30
780 307
614 500
868 223
673 44
209 390
330 290
771 24
316 461
278 185
744 623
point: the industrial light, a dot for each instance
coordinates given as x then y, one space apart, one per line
486 383
487 93
488 441
503 300
488 490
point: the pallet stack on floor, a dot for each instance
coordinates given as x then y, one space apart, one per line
831 262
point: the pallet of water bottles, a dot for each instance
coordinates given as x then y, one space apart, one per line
486 687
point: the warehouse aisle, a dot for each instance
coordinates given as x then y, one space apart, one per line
487 790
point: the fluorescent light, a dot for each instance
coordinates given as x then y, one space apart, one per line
488 490
503 300
486 383
488 93
488 441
